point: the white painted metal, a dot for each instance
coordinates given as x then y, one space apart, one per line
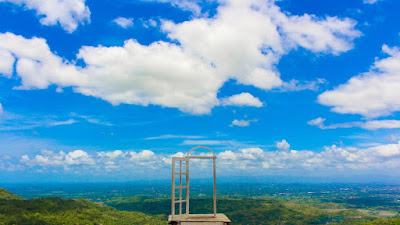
215 191
187 187
180 187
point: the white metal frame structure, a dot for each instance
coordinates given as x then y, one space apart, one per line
180 187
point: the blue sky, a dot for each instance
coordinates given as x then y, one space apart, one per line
102 90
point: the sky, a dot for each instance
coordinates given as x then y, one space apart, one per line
111 90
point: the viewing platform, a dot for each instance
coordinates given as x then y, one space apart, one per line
200 219
182 216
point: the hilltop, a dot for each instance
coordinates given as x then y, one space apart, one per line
56 210
4 194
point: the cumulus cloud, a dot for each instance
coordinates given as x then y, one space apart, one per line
124 74
68 13
372 94
242 123
368 125
124 22
6 63
243 99
330 158
98 160
187 75
149 23
249 53
329 35
283 145
50 158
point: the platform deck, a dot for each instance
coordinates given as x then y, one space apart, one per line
220 217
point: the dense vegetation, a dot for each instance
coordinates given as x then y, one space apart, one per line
55 210
290 206
6 195
251 210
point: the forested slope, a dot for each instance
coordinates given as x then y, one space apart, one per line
55 210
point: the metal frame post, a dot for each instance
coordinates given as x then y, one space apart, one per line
173 190
187 188
215 190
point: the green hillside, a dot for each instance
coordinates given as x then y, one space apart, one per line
153 211
393 221
246 211
4 194
55 210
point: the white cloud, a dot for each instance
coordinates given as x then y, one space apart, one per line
370 1
37 66
329 35
66 122
121 74
168 159
141 156
6 63
186 5
295 85
283 145
173 136
91 119
78 157
68 13
150 23
10 121
332 158
204 142
368 125
249 53
124 22
242 123
379 124
319 122
161 74
243 99
187 75
1 108
112 154
97 161
50 158
371 94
